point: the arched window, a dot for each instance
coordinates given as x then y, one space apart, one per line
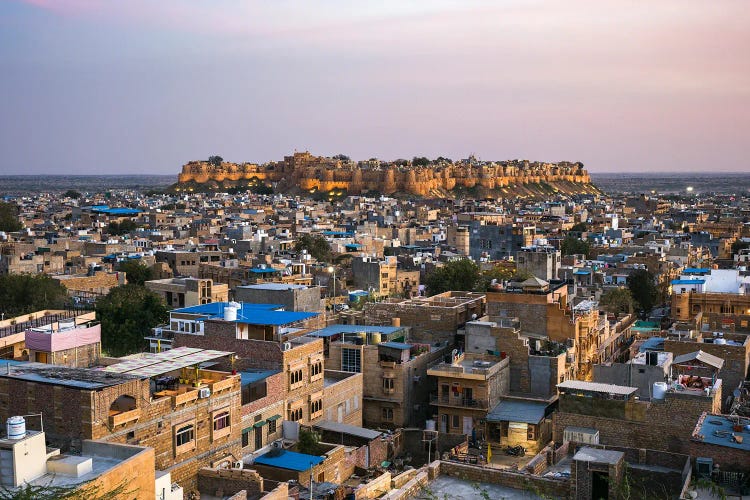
184 435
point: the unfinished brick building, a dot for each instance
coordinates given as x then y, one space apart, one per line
189 416
431 319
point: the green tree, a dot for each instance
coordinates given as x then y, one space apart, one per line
127 314
454 275
115 228
617 300
72 193
26 293
316 245
581 227
84 491
499 274
643 289
9 217
308 442
136 271
261 189
215 160
572 245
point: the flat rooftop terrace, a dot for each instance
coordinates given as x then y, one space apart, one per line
451 487
718 430
80 378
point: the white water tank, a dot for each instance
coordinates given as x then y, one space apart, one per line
660 389
16 427
429 425
230 313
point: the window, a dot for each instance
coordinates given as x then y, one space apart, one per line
184 435
221 424
456 421
271 426
221 420
351 360
295 415
388 385
246 438
387 414
316 406
295 378
531 432
316 370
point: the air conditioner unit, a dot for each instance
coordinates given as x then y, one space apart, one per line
277 445
204 392
237 465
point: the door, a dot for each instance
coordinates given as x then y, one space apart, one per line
444 393
258 438
340 415
468 395
443 423
468 425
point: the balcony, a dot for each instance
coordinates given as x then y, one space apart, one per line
476 404
185 397
124 417
221 385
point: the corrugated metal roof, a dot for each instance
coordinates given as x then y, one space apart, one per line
290 460
579 385
701 356
339 329
396 345
352 430
511 410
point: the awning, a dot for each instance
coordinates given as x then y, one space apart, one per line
274 417
530 412
259 424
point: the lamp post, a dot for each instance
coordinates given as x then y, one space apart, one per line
332 270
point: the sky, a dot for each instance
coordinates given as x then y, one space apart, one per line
143 86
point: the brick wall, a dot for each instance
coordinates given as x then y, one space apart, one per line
84 356
346 393
659 425
223 482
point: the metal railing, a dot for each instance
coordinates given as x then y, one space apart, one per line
458 402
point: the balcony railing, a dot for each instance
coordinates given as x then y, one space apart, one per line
479 404
221 385
124 417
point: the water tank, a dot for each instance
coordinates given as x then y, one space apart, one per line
660 389
429 425
395 321
16 427
230 313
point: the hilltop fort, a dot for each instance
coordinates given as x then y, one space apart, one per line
439 178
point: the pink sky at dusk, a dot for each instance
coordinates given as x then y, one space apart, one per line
141 86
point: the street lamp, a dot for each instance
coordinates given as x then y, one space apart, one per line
332 270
